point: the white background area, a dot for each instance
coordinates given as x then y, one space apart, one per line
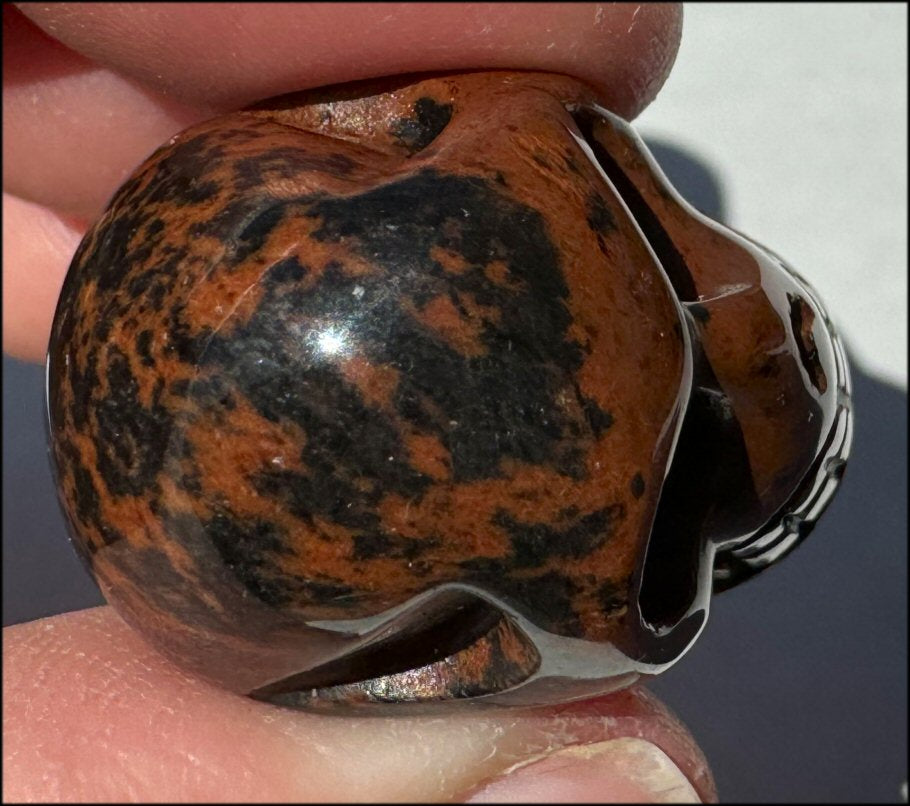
800 112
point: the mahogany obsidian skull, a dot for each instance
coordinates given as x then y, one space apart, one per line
431 389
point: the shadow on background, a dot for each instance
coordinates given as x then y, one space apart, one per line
691 178
797 690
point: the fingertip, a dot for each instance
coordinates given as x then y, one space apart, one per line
652 41
94 714
234 54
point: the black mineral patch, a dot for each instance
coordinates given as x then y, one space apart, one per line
600 219
252 237
700 312
131 439
176 179
252 172
548 596
245 547
610 596
482 408
599 419
370 545
533 544
85 496
429 119
143 345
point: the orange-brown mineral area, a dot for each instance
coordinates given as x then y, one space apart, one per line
336 351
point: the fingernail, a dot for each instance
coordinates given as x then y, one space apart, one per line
618 771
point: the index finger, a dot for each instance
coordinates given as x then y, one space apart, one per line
229 54
76 127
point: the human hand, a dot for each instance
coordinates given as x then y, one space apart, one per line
74 129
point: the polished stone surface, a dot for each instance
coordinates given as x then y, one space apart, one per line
410 378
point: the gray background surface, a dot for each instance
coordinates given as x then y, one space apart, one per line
801 110
797 690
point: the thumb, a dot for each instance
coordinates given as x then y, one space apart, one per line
94 714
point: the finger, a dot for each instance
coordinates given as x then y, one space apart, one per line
234 53
92 714
37 247
72 130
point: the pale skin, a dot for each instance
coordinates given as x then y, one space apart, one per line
91 712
